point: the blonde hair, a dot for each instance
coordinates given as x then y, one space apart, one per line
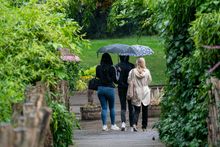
140 64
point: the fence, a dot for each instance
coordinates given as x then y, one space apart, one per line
30 122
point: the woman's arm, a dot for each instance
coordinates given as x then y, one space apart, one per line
98 71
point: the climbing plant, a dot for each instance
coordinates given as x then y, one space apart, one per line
186 26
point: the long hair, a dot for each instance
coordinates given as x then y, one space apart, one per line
106 59
140 64
106 63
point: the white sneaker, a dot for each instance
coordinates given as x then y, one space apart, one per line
132 129
123 126
135 128
115 127
104 128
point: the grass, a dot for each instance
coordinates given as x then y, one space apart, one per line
155 63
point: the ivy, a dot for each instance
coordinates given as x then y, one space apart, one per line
186 26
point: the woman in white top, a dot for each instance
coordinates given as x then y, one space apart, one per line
141 77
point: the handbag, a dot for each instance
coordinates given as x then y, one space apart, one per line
94 83
131 87
130 92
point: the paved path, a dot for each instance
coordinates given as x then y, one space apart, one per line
91 134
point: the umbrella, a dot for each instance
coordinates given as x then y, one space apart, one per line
126 50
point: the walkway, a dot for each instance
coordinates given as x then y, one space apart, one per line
91 134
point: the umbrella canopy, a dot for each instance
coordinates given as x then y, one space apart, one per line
126 50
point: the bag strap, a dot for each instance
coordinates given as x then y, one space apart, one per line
117 73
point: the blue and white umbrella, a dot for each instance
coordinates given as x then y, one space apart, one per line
126 50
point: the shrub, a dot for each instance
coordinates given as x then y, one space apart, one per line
62 125
30 35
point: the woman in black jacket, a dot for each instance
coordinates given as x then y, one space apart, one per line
106 90
124 66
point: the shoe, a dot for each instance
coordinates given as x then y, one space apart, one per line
115 127
135 128
144 129
123 126
132 129
104 128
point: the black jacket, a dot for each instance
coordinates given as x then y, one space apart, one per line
124 68
107 75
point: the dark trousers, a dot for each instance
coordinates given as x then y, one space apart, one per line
122 92
137 110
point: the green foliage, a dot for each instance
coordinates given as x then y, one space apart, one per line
30 35
85 76
81 11
112 17
91 15
130 17
73 74
185 103
90 71
62 125
205 31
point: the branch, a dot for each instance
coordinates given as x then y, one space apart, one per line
211 47
214 67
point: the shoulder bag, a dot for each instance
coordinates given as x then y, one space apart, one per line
93 83
131 86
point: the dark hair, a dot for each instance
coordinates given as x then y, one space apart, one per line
106 59
124 58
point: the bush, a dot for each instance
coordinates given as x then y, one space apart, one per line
30 36
62 125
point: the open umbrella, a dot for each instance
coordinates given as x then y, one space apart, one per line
126 50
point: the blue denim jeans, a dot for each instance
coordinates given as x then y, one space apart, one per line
106 97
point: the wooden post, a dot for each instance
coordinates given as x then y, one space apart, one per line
31 122
6 135
63 91
213 117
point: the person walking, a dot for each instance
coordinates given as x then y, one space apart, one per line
106 94
141 77
124 66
